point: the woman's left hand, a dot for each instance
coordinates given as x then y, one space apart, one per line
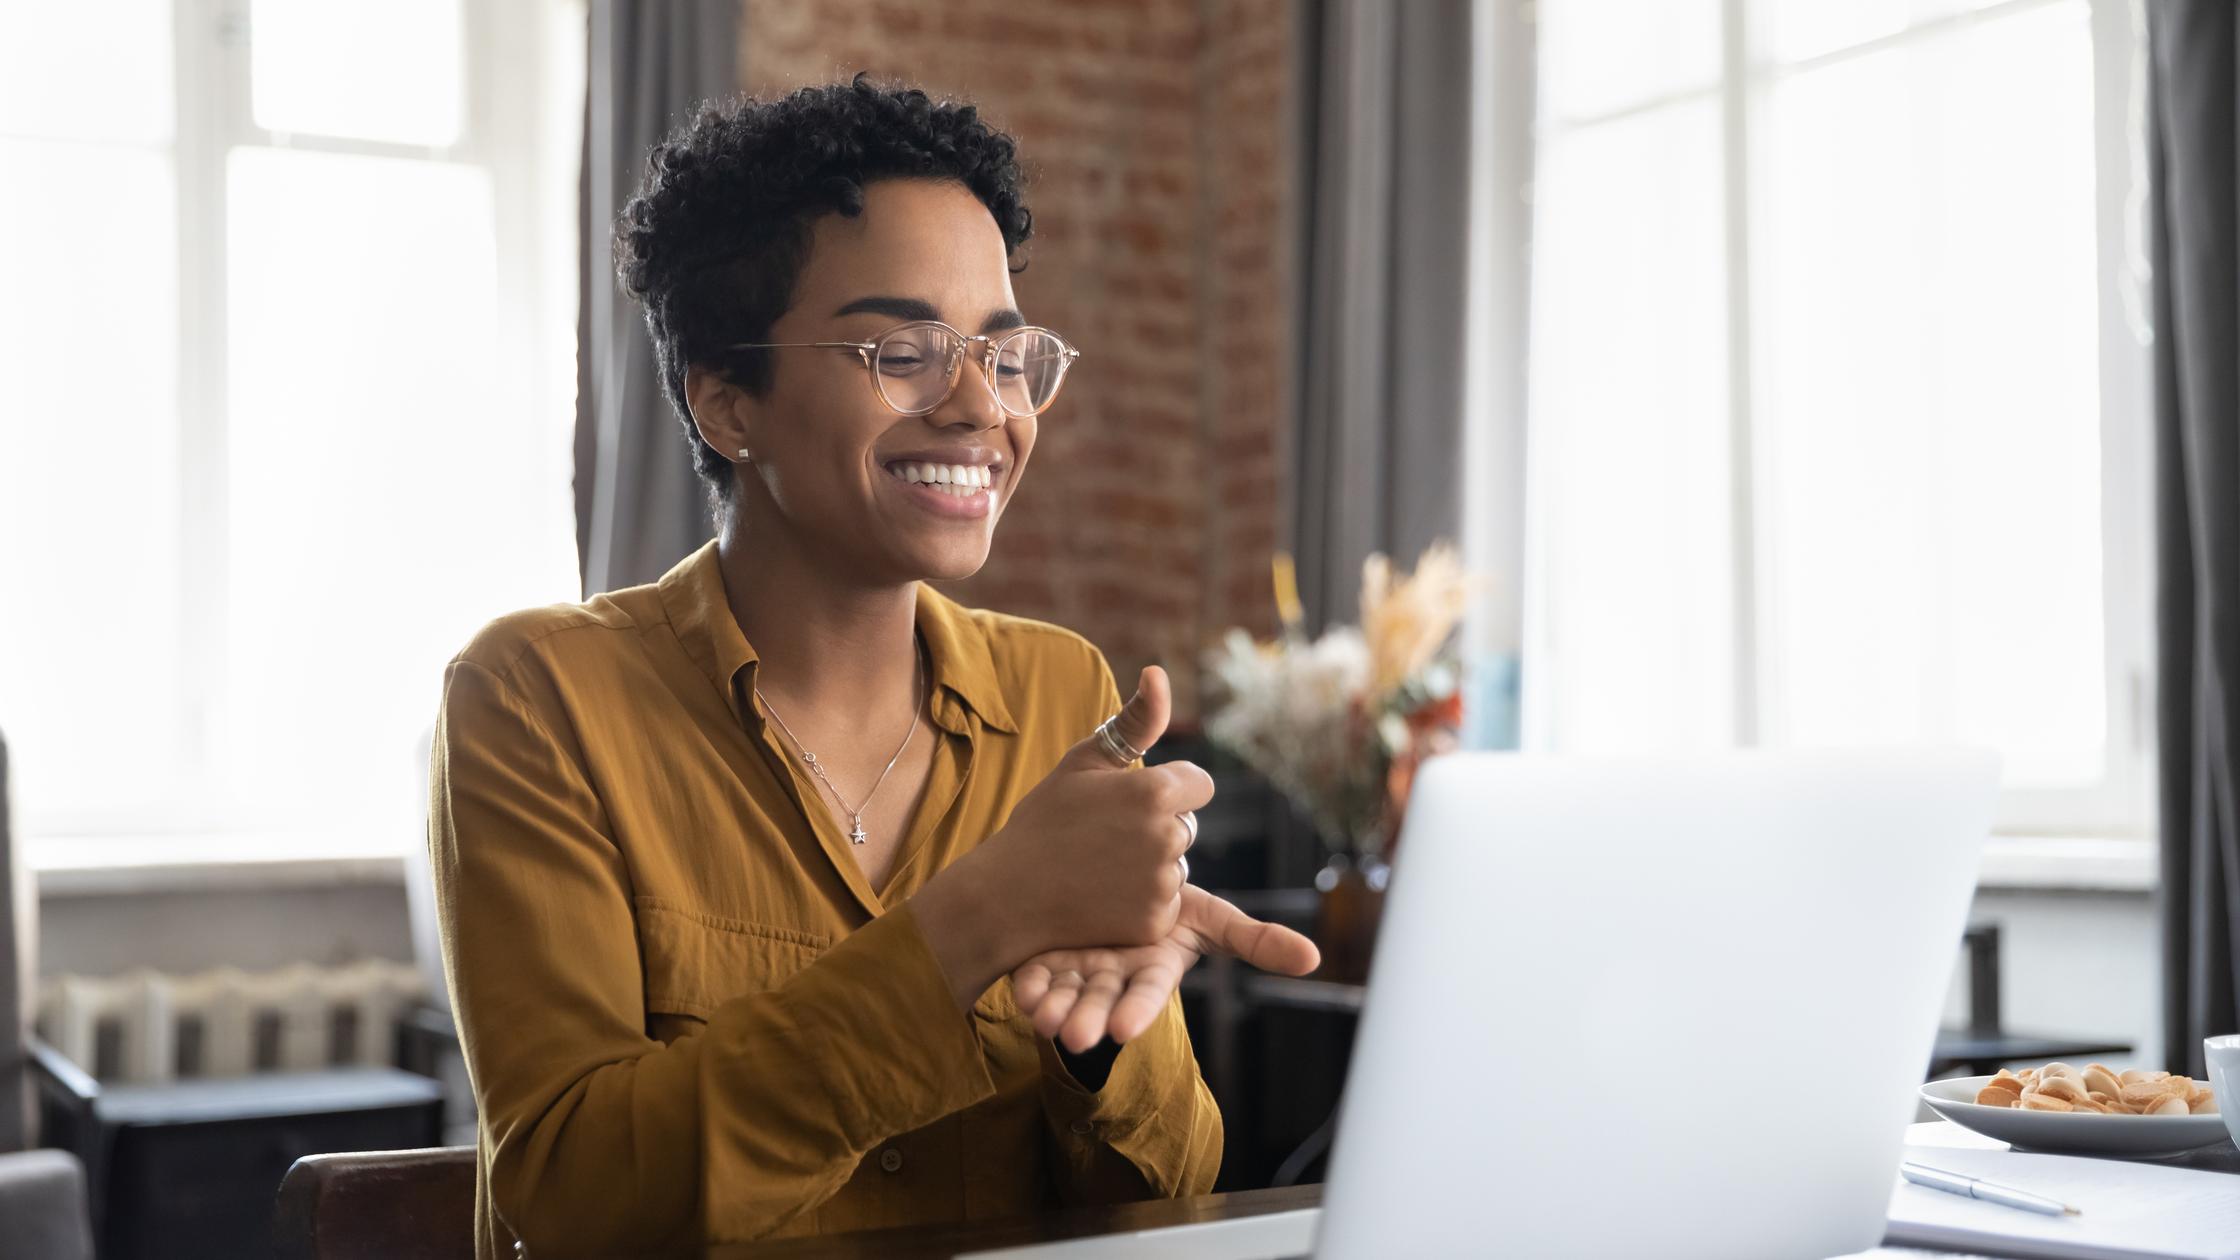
1080 996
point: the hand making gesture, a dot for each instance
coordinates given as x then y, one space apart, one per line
1154 924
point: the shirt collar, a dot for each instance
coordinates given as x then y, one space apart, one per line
692 593
963 669
962 665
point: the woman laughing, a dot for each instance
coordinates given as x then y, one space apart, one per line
784 895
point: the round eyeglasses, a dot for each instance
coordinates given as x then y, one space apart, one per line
915 366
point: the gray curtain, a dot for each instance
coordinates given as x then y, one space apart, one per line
1384 156
2195 49
639 507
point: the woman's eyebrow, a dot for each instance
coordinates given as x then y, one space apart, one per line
899 307
919 308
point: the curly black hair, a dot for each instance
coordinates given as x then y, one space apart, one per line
719 229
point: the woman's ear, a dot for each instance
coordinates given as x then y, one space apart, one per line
718 412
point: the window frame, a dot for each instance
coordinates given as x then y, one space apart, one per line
508 130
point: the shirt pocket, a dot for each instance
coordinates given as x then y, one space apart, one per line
695 962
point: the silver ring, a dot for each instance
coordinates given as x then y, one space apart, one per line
1189 819
1120 750
1184 863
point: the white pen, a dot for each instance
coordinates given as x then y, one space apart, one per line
1955 1183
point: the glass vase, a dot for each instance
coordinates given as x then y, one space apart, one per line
1352 901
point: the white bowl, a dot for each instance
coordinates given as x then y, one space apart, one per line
2070 1132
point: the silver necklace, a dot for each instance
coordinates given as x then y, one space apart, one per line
855 812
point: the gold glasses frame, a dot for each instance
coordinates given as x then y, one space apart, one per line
992 344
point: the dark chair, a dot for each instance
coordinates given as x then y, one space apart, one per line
1986 1043
377 1204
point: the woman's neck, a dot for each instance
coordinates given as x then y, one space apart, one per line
825 646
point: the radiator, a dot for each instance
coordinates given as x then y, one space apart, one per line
145 1026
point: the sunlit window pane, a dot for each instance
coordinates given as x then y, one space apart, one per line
1930 345
86 71
1630 427
89 673
371 69
1601 55
1800 29
380 454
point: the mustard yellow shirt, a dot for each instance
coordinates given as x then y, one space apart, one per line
686 1014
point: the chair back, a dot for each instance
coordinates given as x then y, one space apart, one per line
372 1205
18 943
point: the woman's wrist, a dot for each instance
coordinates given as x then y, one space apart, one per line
969 929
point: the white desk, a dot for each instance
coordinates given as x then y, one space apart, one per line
1289 1232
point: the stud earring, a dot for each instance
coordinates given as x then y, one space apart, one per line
744 453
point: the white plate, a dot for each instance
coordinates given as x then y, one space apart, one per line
2069 1132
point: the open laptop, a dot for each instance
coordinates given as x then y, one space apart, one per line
1671 1006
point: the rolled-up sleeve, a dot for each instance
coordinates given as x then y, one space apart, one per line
598 1137
1152 1130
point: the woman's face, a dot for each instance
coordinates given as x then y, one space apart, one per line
832 462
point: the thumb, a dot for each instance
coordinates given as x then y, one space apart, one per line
1268 946
1143 719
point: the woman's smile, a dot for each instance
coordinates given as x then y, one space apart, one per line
960 485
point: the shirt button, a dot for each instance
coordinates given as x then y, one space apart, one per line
1084 1128
891 1160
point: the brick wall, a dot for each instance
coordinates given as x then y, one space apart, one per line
1157 140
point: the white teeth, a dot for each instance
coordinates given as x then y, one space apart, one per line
959 479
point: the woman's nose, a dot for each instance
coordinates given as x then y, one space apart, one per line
973 401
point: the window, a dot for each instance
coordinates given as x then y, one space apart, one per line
1839 409
287 318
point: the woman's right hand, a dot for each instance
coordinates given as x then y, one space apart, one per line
1087 858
